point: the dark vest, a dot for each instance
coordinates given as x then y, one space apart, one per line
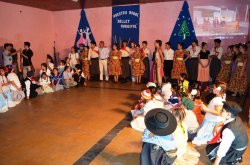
33 88
239 131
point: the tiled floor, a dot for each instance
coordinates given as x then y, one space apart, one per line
72 126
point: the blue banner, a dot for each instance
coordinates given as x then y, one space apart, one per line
84 34
183 30
125 23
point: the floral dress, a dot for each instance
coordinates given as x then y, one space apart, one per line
85 64
226 68
138 67
179 64
238 83
115 63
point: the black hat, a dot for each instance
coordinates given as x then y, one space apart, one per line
93 42
232 107
217 40
160 122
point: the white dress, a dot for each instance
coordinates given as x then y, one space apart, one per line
205 133
17 95
138 123
166 91
45 83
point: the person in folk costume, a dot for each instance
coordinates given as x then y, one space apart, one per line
168 60
238 81
231 141
157 72
192 62
85 62
94 61
32 90
125 58
236 52
73 57
115 63
179 66
138 67
145 59
226 65
215 55
204 62
212 117
132 51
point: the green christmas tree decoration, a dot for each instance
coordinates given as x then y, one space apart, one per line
184 31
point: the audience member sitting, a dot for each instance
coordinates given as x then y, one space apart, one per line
173 100
78 76
32 90
56 80
45 83
45 69
61 66
183 83
196 97
15 85
166 89
212 116
3 101
233 135
68 79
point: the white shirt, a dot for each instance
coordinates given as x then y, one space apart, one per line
103 53
93 53
166 91
7 58
226 141
216 101
146 52
218 52
194 52
67 75
168 54
191 121
44 82
27 87
51 65
13 77
48 72
125 52
73 58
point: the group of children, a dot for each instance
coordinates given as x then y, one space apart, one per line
186 105
51 79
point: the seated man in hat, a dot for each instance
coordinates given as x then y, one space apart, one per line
234 140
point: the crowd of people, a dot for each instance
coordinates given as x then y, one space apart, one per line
175 81
215 125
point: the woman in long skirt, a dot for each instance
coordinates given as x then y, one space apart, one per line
179 66
85 62
204 61
138 67
226 66
115 63
238 82
157 69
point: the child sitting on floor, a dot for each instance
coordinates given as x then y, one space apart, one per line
32 90
166 89
212 117
173 100
78 76
196 97
45 69
56 80
15 85
61 66
67 78
45 83
3 101
183 83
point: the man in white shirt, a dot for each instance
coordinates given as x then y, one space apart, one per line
94 64
125 61
217 50
103 60
233 139
192 62
168 59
